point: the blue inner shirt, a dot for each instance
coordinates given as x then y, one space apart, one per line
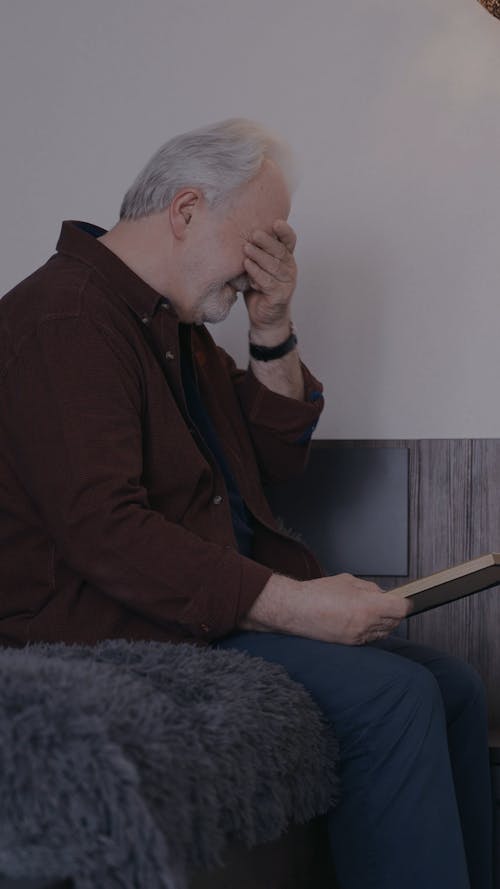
243 522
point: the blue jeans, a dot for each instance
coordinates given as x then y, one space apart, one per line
416 803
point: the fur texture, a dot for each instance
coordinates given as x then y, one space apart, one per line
132 764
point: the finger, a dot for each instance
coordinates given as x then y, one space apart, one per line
270 244
367 585
384 625
396 606
263 280
285 233
379 634
272 264
371 635
380 631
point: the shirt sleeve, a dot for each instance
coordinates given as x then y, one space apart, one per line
281 428
72 415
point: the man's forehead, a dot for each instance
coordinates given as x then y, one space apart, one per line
264 220
262 201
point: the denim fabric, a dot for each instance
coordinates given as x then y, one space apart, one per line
416 806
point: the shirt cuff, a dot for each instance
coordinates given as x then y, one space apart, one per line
294 420
224 604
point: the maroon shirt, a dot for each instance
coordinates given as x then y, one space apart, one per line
114 516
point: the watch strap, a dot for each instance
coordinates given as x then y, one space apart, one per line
267 353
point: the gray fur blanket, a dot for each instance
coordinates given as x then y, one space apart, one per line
130 765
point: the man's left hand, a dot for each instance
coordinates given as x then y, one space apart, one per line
271 267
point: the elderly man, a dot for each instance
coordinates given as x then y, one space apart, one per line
132 454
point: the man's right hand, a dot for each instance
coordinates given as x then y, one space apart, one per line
341 608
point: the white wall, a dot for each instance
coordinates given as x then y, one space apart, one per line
394 110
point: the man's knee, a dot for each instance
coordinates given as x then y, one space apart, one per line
401 707
461 687
414 698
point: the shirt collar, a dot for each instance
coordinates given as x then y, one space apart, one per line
79 240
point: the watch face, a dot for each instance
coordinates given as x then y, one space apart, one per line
492 6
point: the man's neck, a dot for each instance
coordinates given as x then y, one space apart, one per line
138 244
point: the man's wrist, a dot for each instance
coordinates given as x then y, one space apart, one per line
273 353
277 366
270 337
273 610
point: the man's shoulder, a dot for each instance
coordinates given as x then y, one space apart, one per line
62 289
56 288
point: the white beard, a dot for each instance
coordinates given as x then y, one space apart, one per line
219 299
216 304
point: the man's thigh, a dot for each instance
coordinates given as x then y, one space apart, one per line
355 686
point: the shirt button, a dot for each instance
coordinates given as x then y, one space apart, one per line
217 499
164 304
145 319
169 355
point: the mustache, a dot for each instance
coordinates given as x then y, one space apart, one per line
241 284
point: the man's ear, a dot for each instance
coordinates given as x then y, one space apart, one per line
182 209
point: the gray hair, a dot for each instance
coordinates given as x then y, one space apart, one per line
216 159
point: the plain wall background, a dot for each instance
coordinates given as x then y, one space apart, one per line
393 109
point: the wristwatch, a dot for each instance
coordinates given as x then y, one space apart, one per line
266 353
